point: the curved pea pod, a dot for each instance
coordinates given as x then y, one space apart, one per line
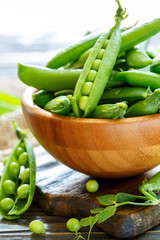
41 97
139 78
60 105
11 173
128 94
155 66
110 111
145 107
137 58
48 79
51 79
130 38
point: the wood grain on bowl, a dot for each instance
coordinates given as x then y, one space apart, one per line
97 147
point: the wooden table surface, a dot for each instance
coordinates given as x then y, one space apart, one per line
55 226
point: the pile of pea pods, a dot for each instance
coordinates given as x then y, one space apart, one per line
108 75
18 180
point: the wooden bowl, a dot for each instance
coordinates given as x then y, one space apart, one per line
96 147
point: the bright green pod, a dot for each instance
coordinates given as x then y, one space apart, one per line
145 107
110 111
130 38
139 78
10 180
137 58
155 66
128 94
54 80
48 79
60 105
41 97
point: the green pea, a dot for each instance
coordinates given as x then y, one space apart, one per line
23 191
100 54
19 151
25 176
23 159
37 227
86 89
105 44
9 186
96 64
7 204
73 225
83 102
91 76
92 186
14 169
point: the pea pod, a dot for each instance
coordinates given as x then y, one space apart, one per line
10 185
149 187
41 97
130 38
53 80
145 107
128 94
137 58
155 66
60 105
47 79
96 72
139 78
110 111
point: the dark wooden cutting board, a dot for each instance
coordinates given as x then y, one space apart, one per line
61 191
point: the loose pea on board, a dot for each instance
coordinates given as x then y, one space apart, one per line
16 195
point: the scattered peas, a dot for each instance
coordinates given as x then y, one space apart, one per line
23 191
7 204
73 225
92 186
37 227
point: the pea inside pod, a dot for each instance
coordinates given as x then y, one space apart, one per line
16 193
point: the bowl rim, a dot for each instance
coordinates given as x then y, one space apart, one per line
27 101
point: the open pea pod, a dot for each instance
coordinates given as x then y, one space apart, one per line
97 69
18 180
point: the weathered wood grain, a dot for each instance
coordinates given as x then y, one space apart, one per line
56 225
61 191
